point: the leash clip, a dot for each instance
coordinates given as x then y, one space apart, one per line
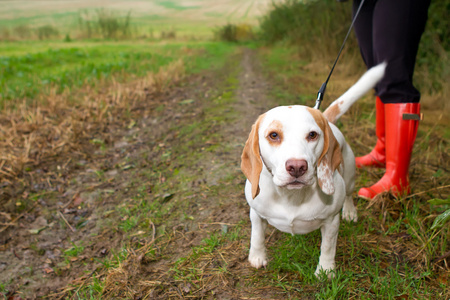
320 94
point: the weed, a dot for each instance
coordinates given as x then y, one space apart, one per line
67 38
171 34
39 251
129 223
3 289
72 253
115 260
305 23
337 288
211 243
234 33
104 23
47 32
296 254
174 5
443 218
22 31
164 198
93 290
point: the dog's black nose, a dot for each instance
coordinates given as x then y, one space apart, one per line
296 167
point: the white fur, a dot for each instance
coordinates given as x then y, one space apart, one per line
361 87
299 205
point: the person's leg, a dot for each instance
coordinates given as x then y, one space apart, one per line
364 30
364 33
377 157
398 26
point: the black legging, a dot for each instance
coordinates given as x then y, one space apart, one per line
390 30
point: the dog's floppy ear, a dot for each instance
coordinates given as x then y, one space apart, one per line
251 163
331 156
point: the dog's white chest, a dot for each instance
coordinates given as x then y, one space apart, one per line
295 212
287 218
294 226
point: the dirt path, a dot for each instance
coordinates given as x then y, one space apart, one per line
212 244
131 212
151 206
252 94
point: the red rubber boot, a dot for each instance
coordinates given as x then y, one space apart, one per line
402 122
377 157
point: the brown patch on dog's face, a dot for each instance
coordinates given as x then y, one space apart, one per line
331 156
274 133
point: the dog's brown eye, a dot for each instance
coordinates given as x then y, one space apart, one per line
312 135
273 135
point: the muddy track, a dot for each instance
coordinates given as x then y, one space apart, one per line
151 205
218 206
197 189
252 94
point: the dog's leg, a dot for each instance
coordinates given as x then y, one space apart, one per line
257 256
349 212
328 249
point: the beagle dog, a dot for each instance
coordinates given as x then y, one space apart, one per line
301 173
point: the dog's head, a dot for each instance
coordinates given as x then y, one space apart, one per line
297 146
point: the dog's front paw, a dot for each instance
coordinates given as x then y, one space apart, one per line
257 258
350 215
328 270
349 212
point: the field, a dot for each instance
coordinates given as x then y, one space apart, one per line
188 18
57 67
120 163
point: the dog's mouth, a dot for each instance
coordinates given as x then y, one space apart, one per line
292 183
296 184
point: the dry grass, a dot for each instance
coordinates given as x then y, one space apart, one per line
429 169
219 263
57 124
204 262
212 268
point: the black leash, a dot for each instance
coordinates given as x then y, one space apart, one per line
322 89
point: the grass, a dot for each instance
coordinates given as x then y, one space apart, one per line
122 20
106 24
152 213
59 68
73 252
366 268
54 111
285 65
370 267
175 6
164 219
389 253
305 25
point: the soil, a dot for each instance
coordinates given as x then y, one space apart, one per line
79 205
151 206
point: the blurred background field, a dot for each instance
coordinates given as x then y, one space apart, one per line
55 46
145 19
97 32
36 67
